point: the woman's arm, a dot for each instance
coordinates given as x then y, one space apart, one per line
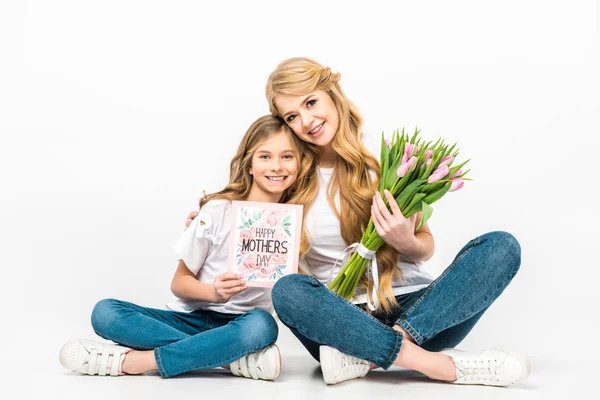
190 218
424 245
399 232
186 286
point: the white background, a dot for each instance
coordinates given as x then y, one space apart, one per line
116 115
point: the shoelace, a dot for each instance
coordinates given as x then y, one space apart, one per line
353 363
99 361
478 370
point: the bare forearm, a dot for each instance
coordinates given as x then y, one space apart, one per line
420 249
188 288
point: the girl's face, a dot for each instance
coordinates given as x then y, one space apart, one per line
274 168
313 117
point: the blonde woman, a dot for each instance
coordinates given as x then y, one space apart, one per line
418 319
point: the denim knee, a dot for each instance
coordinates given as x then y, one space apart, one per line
258 329
289 290
507 250
104 315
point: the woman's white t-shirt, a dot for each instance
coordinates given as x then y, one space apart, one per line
324 235
204 250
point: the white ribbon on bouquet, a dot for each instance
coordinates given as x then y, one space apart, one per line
368 255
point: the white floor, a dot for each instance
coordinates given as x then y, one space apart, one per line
39 375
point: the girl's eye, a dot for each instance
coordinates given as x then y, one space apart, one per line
291 119
263 157
288 157
310 103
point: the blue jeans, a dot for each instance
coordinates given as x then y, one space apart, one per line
439 316
184 341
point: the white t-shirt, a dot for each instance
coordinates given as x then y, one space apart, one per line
204 250
326 242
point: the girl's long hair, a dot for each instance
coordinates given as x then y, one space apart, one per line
240 180
352 173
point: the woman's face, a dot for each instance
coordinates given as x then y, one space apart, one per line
313 117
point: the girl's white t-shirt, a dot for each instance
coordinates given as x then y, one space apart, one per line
324 235
205 251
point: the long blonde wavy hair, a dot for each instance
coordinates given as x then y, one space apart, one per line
240 180
352 172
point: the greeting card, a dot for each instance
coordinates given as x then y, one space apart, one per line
264 241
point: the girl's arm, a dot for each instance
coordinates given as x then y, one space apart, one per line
186 286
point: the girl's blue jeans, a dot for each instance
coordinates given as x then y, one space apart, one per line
184 341
437 317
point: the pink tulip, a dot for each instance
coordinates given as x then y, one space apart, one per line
388 143
460 171
456 184
438 174
403 169
428 154
404 159
413 163
446 161
409 149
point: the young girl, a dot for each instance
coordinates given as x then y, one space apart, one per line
418 318
217 320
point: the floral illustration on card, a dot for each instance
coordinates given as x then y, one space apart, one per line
264 239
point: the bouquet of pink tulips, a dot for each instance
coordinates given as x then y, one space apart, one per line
417 174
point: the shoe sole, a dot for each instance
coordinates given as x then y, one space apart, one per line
278 369
326 360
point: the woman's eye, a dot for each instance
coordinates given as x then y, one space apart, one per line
310 103
291 119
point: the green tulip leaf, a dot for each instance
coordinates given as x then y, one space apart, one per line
427 210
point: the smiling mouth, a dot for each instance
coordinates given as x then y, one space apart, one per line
316 129
276 178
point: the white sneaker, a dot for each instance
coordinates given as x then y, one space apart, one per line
264 364
92 358
339 367
492 367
